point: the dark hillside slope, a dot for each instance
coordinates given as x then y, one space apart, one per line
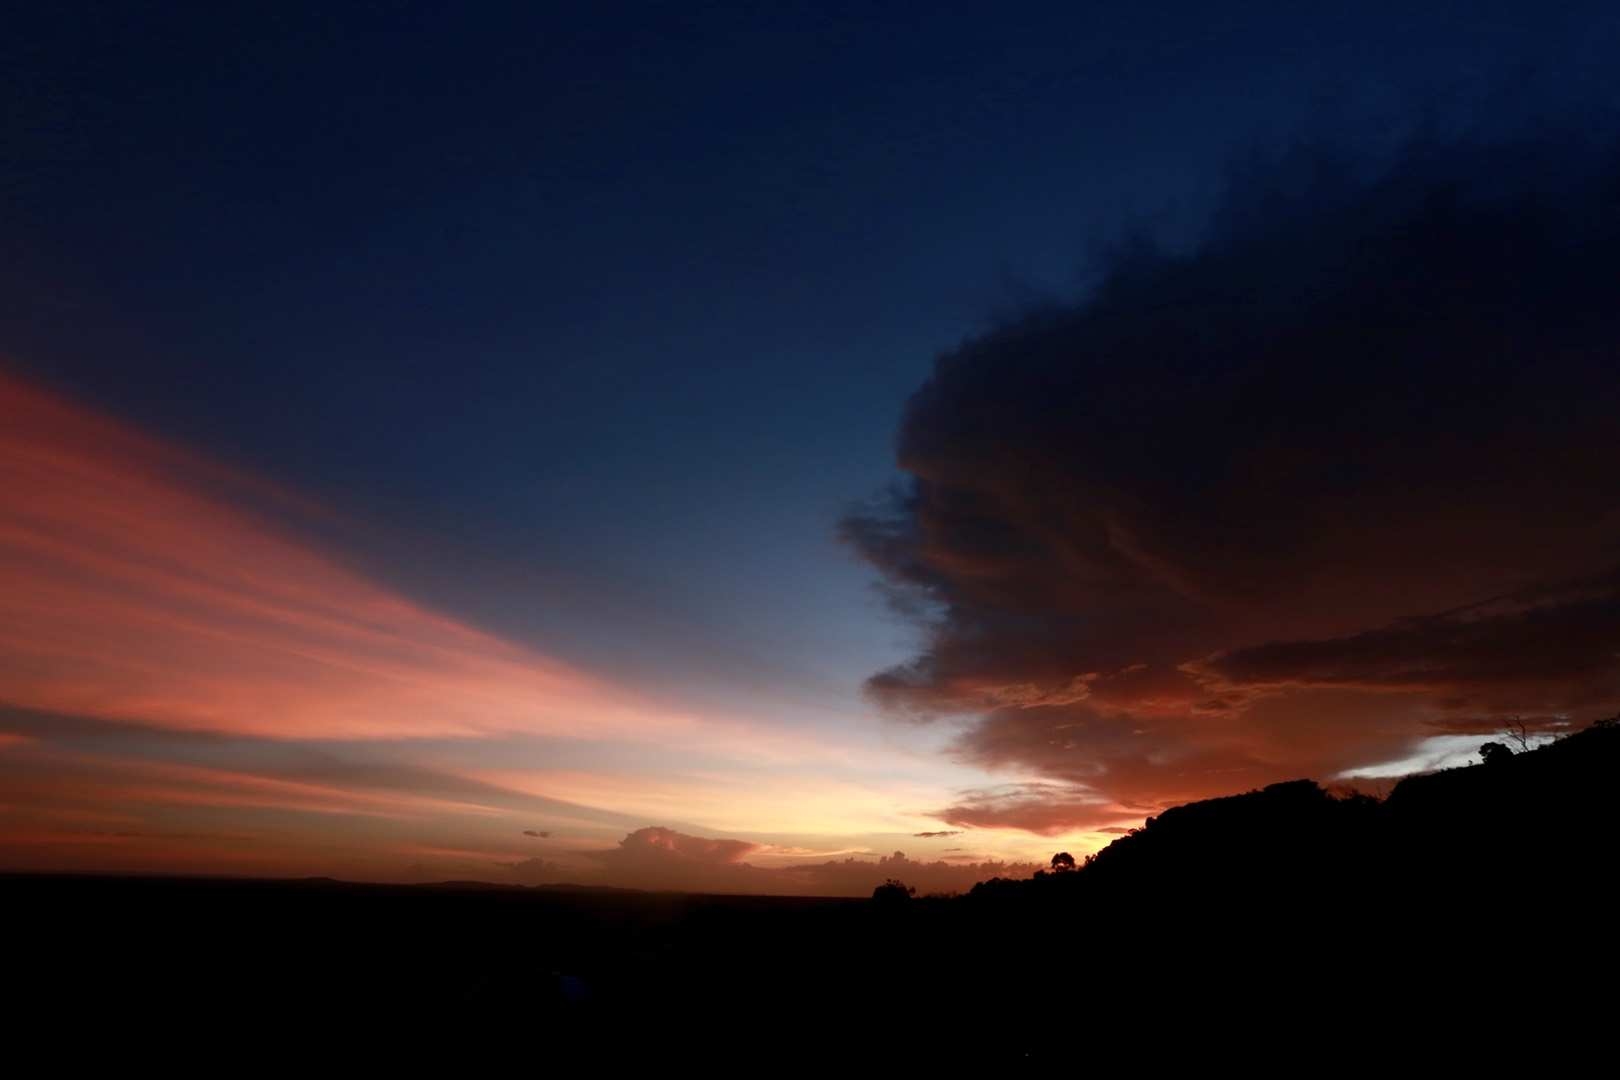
1539 820
1475 892
1530 837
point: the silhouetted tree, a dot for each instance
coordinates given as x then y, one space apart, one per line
1494 753
1517 731
893 892
1063 861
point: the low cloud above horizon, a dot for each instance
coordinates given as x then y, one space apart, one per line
662 858
1341 480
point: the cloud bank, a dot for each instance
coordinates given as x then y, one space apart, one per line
1345 476
660 858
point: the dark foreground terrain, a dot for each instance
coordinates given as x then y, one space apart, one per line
1468 907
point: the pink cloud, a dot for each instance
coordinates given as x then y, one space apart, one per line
135 586
668 842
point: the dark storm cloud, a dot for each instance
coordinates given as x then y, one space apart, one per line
1548 648
1346 474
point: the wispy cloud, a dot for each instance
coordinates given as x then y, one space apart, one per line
144 583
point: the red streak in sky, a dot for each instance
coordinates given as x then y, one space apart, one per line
135 585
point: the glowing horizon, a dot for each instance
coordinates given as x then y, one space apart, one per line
139 596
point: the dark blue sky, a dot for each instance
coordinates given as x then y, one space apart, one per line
594 318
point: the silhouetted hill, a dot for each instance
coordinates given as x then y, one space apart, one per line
1538 826
1461 892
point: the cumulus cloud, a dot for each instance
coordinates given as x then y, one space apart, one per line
1345 474
667 843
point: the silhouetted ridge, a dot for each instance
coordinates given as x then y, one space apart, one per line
1537 828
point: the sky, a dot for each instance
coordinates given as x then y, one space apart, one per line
777 448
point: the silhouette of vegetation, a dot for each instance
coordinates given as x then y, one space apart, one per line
1529 825
893 892
1062 861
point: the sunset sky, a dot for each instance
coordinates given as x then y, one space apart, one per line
726 447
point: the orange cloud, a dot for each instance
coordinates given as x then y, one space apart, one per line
52 780
135 586
58 850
